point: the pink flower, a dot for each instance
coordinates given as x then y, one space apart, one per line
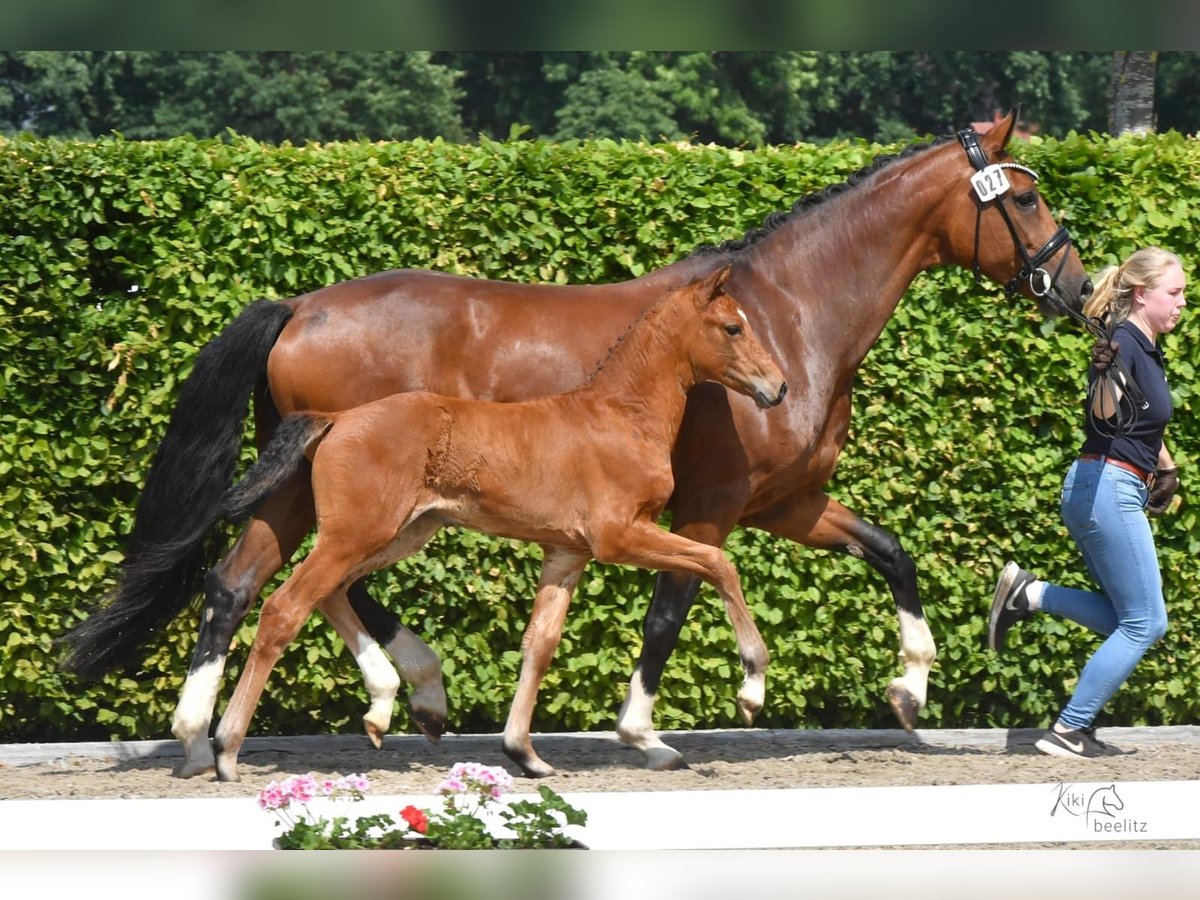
452 785
359 783
490 780
272 797
300 788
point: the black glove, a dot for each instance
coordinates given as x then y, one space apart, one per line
1103 352
1166 483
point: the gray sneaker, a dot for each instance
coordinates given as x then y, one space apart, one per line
1009 603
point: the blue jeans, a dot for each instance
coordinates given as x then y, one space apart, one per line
1102 507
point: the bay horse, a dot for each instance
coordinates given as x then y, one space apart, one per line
585 474
818 282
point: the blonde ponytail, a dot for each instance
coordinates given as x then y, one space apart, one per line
1112 294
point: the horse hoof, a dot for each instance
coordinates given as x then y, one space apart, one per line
431 724
227 770
664 759
748 708
904 705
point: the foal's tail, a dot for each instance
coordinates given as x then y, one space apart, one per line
173 542
278 462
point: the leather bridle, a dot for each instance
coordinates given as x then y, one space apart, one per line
1041 282
1044 285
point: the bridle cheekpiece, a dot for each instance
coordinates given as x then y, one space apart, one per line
991 184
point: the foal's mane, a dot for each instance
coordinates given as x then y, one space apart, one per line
652 310
775 220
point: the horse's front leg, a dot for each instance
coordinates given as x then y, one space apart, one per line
231 589
818 520
674 593
561 569
644 544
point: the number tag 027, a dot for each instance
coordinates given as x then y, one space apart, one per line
990 183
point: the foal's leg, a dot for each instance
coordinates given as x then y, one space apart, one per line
419 665
321 575
818 520
268 541
646 545
561 569
379 677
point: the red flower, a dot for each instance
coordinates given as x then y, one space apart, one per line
415 818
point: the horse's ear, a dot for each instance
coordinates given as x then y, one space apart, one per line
997 138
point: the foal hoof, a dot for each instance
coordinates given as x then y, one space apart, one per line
374 733
664 759
904 705
189 769
531 765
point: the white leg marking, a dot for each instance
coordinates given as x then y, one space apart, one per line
917 651
193 716
381 682
635 727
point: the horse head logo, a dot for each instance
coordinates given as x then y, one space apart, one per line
1104 801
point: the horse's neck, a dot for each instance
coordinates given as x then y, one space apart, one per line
647 374
850 259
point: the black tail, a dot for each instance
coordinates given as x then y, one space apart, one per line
173 543
277 463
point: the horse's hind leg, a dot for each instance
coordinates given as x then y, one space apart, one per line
419 666
268 540
561 569
819 521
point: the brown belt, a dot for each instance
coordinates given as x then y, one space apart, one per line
1147 478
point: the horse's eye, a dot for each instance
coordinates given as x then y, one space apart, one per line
733 330
1027 200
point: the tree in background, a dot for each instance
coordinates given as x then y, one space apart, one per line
271 96
1132 107
731 98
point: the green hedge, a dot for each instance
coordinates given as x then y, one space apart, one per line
119 260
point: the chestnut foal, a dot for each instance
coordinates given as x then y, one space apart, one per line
584 474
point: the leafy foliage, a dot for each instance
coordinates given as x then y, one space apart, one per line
120 259
736 98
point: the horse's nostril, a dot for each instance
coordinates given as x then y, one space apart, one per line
782 391
1085 289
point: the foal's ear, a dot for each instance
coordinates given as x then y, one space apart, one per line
713 286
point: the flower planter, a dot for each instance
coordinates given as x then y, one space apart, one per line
468 792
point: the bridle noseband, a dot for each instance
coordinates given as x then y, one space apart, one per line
990 185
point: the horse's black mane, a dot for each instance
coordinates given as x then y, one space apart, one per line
776 219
